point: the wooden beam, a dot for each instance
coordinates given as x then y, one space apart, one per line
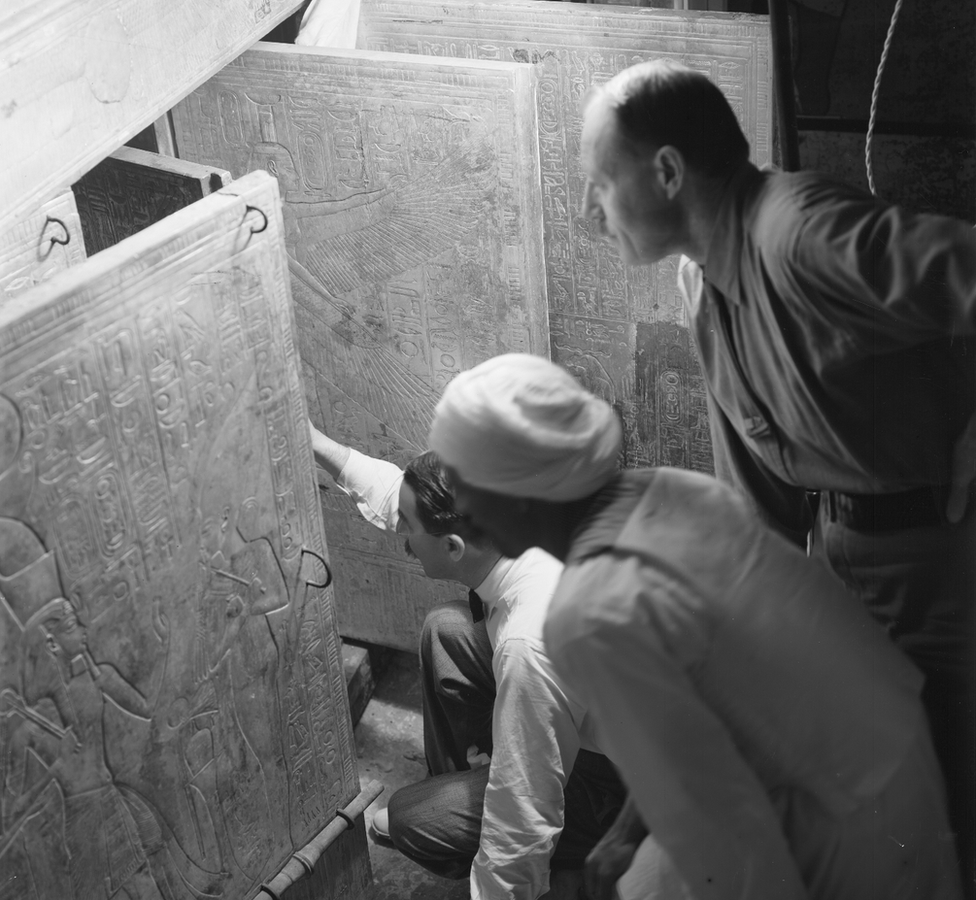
80 77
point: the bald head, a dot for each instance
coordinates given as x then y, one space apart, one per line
663 103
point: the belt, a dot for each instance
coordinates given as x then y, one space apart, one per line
918 508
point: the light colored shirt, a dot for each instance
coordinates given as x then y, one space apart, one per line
723 668
835 335
538 725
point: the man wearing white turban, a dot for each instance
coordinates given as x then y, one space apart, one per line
762 766
518 792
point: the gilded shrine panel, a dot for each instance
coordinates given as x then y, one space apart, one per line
172 705
597 304
413 219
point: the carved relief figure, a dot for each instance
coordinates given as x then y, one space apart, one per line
111 834
231 725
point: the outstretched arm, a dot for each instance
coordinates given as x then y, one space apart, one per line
374 484
329 454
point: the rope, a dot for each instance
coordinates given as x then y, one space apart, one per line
874 96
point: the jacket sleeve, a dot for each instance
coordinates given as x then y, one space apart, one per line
904 277
630 662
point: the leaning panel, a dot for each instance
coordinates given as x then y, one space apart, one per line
622 330
413 218
174 712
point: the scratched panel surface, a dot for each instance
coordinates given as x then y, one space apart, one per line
174 719
414 231
132 188
596 303
40 246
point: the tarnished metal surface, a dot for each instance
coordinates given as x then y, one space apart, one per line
172 705
40 246
133 188
596 303
414 230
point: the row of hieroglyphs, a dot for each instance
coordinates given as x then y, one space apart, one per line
170 723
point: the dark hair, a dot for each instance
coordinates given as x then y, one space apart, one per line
426 477
660 102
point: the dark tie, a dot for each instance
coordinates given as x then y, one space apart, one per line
477 607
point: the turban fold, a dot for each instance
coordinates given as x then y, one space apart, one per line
522 426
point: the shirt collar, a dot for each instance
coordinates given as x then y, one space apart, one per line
725 246
492 589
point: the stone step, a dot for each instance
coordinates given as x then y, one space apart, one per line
361 665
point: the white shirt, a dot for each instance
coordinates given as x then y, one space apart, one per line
538 724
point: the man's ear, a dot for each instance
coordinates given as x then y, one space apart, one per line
670 166
455 546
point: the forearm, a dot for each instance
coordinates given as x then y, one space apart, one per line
329 454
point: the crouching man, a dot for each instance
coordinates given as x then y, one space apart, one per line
771 737
517 787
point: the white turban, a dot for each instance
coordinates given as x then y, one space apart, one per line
520 425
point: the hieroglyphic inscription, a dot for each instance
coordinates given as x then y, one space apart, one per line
414 232
172 704
40 246
596 303
134 188
670 390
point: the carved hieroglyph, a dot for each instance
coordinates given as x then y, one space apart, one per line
414 230
621 330
41 246
132 188
172 708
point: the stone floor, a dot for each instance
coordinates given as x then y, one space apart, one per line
390 747
389 744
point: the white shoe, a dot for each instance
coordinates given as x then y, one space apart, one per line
381 824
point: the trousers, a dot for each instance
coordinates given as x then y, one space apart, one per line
920 584
437 822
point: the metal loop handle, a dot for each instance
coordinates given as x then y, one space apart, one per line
253 231
325 565
50 241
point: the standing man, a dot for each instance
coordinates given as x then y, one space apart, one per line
770 735
518 786
836 338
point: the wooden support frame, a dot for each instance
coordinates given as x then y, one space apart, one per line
80 77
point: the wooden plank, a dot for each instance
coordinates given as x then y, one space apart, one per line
179 724
134 188
414 230
604 317
42 245
80 77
